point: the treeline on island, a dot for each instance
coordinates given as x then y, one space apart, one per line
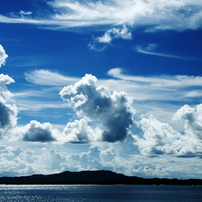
95 177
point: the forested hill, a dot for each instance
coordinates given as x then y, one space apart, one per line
94 177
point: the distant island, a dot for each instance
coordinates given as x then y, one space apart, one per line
95 177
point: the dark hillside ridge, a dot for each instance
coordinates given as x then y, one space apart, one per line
94 177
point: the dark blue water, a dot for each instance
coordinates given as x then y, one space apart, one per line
99 193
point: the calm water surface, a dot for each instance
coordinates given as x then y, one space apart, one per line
99 193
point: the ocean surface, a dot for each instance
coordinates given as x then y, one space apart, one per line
99 193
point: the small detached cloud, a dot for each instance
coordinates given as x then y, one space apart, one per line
100 43
20 15
3 56
25 13
97 104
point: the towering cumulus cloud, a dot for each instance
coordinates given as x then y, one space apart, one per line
8 110
97 104
3 56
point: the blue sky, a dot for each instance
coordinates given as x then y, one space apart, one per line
110 85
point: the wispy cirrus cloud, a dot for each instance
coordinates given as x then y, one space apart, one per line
109 15
161 81
51 83
159 95
179 85
159 15
45 77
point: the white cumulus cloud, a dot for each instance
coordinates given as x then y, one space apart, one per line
158 138
3 56
192 119
8 109
80 132
38 132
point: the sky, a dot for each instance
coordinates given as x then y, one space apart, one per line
101 85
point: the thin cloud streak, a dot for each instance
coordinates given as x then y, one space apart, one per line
159 81
140 49
34 106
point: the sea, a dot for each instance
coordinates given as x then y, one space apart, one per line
99 193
